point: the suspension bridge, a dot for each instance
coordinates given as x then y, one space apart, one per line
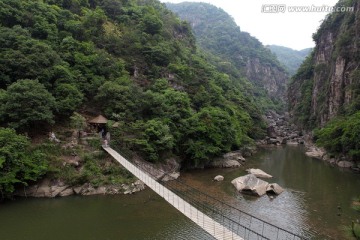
222 221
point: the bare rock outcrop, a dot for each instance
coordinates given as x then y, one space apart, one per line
315 152
228 160
345 164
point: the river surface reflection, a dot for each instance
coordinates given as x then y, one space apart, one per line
316 203
317 200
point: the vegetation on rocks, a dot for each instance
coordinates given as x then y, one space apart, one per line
19 163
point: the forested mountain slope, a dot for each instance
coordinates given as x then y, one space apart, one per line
325 91
291 59
217 32
133 61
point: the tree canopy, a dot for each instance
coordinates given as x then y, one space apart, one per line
135 62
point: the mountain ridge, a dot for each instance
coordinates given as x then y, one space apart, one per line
217 32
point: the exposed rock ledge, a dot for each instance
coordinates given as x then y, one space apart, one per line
51 189
167 171
228 160
321 154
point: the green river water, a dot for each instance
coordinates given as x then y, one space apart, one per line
317 199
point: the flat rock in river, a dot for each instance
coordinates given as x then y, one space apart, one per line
258 173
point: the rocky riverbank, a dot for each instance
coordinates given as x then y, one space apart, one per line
56 188
281 132
50 188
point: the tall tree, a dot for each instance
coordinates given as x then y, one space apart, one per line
26 104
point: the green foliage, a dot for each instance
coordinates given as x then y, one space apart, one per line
218 34
68 99
355 226
152 23
26 104
341 135
135 62
154 139
302 82
121 96
290 58
209 133
19 165
77 121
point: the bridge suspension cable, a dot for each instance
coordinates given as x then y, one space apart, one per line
219 219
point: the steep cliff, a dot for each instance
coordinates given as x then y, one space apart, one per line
217 32
328 82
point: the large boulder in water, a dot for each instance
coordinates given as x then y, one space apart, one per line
250 184
258 173
274 188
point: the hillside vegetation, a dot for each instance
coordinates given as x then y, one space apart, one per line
135 62
237 52
291 59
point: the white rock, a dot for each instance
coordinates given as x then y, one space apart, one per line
219 178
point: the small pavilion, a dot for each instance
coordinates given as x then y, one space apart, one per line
99 123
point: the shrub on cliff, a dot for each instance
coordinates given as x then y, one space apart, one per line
18 163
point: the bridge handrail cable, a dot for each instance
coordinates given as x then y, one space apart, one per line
144 166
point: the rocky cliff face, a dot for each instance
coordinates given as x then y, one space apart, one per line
328 82
273 79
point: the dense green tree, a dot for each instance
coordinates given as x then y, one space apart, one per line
159 138
78 122
68 99
18 163
209 133
27 104
121 97
23 57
